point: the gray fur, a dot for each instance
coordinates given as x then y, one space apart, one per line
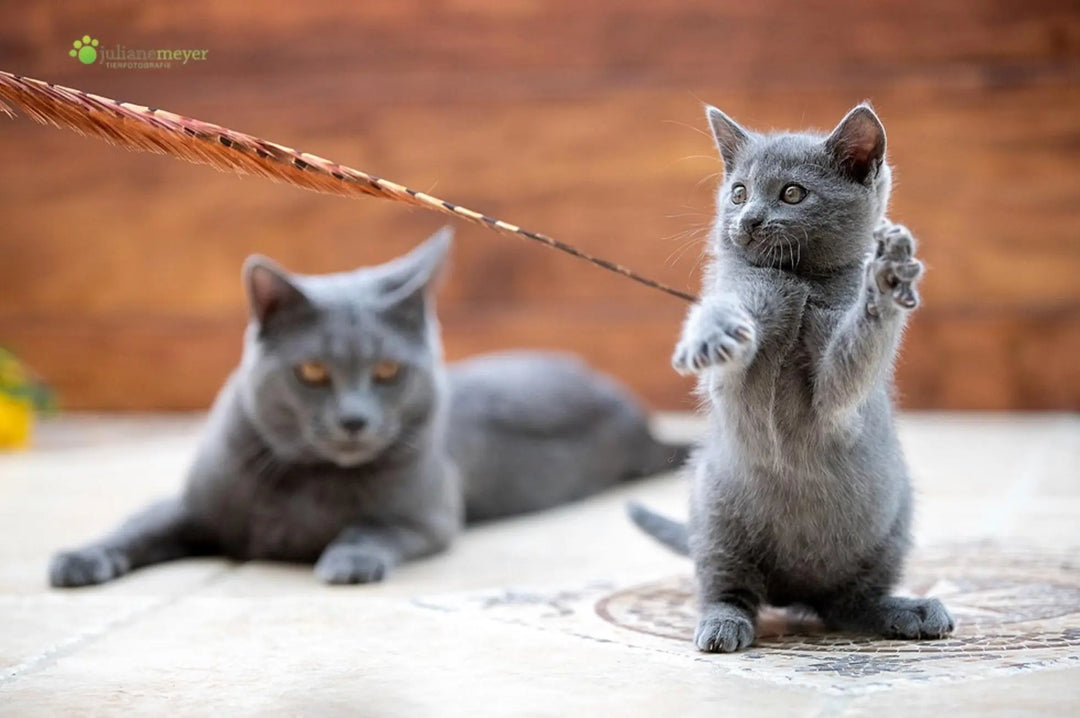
355 475
667 531
531 431
800 491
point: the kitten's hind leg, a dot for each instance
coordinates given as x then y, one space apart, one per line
900 617
161 532
893 617
868 608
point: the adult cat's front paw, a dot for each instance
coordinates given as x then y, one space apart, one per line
723 629
85 567
720 338
893 272
351 564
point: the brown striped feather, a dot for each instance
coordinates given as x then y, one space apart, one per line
135 127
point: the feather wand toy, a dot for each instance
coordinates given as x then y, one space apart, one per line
145 129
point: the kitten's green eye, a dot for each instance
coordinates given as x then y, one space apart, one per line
386 371
738 194
793 193
313 373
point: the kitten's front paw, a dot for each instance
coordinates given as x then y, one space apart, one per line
893 272
725 338
351 564
723 629
86 567
914 618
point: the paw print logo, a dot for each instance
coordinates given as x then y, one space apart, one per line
85 50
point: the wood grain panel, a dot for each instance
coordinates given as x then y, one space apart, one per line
581 120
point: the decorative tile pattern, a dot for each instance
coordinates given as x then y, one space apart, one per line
1016 610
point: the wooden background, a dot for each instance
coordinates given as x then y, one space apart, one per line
119 273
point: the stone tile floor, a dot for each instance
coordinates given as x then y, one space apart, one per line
567 613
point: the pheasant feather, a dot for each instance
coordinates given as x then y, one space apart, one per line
151 130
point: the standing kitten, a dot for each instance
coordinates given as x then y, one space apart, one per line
801 494
330 443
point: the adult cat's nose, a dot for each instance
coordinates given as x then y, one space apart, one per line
353 423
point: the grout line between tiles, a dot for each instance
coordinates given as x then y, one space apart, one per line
87 637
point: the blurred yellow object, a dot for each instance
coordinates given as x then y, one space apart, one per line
16 419
20 398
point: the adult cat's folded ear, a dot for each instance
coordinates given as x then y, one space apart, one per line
408 281
270 290
858 143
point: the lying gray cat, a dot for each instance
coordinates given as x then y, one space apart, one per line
341 439
801 494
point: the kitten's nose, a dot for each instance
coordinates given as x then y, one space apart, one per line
354 424
751 224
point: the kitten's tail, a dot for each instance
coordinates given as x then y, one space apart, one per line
667 531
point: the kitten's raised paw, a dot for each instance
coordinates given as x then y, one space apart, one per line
727 340
351 564
86 567
893 272
723 629
915 618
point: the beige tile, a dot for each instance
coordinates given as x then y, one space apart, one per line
1046 693
955 519
35 628
1052 522
1062 470
55 499
973 455
508 622
344 655
37 625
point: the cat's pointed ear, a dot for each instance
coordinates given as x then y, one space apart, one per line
858 143
410 279
270 291
729 135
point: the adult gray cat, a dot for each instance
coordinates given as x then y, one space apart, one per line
341 439
800 491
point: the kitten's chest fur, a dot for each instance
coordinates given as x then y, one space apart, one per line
767 408
811 499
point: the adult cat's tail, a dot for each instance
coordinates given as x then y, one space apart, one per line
667 531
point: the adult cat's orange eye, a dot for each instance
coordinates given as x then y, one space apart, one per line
313 372
386 370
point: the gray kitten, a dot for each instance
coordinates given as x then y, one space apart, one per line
800 491
341 440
